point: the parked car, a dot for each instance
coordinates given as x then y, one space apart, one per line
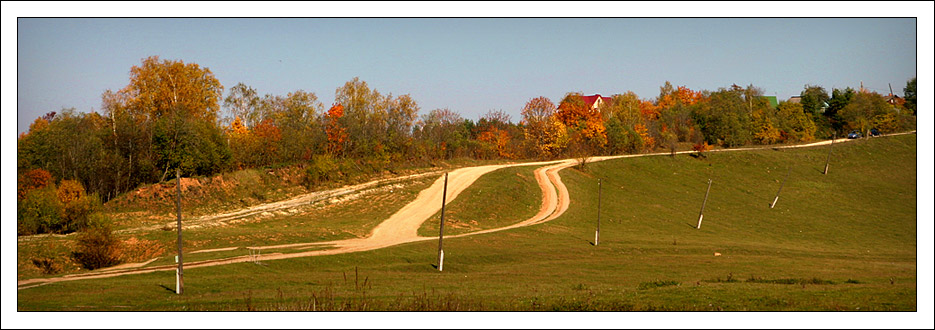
874 132
853 135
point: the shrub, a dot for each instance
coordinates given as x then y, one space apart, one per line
97 245
40 211
49 209
322 168
47 265
702 147
76 205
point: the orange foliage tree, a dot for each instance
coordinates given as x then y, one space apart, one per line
241 143
268 136
337 134
498 139
578 116
160 87
32 179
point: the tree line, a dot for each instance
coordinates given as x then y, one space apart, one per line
169 116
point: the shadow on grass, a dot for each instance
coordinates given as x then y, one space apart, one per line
167 288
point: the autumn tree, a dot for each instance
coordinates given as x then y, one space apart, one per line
443 133
375 123
764 129
493 132
794 123
337 134
31 179
401 114
625 107
586 124
70 145
242 102
545 134
675 106
296 116
242 144
869 110
176 104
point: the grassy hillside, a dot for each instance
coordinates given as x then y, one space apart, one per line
498 199
842 241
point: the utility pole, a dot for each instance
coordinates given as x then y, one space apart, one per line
179 287
701 214
597 234
827 162
441 227
780 188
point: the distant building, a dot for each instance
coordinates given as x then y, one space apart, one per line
773 103
894 99
795 99
594 101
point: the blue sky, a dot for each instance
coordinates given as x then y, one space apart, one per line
467 65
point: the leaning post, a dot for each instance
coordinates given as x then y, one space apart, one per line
701 214
827 162
441 227
597 234
180 287
780 188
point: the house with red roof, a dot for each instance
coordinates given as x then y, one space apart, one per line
595 101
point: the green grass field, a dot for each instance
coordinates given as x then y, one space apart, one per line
845 241
506 196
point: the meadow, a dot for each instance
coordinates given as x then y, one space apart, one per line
845 241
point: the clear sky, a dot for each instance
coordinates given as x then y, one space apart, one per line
467 65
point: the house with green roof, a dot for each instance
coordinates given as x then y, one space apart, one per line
773 103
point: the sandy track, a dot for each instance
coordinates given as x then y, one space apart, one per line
297 201
402 226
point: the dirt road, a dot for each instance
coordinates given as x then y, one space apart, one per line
401 227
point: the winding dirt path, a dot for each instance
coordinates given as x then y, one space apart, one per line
402 226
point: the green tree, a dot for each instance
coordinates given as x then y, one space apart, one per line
814 99
725 119
910 93
297 116
839 99
197 147
625 107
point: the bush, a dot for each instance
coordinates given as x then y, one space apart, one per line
322 168
47 265
49 209
97 246
76 205
40 211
